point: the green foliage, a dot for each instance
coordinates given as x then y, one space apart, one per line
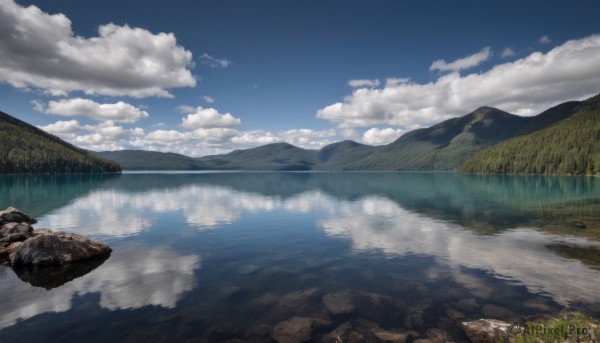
571 147
568 327
27 149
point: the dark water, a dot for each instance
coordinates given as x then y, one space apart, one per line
213 256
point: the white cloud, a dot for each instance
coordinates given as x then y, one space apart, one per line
208 99
376 136
62 127
40 50
463 63
507 52
525 86
209 118
134 276
363 83
212 62
545 40
117 112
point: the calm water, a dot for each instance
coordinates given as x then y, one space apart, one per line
207 256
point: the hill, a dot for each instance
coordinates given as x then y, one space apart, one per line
275 156
26 149
341 155
152 160
570 147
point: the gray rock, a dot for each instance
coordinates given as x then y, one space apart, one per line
15 232
339 334
487 331
57 248
384 336
12 215
7 250
298 329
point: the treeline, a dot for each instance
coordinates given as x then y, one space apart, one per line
571 147
27 149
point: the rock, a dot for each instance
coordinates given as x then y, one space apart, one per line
339 334
12 215
341 302
423 340
437 335
15 232
258 332
7 250
371 306
378 335
297 329
580 225
487 330
356 337
57 248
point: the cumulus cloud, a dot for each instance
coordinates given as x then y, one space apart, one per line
62 127
463 63
363 83
208 118
525 86
213 62
117 112
545 40
507 52
376 136
40 50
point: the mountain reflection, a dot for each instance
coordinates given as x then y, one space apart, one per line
133 277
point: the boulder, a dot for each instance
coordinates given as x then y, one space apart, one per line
298 329
57 248
15 232
12 215
340 333
487 330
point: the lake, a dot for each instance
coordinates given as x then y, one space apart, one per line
212 256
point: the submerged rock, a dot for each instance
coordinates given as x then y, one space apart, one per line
57 248
12 215
298 329
384 336
487 330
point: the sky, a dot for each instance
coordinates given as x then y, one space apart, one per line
208 77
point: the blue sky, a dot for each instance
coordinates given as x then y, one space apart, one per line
207 77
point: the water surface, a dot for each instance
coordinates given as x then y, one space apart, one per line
206 256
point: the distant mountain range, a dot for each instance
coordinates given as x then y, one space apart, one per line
26 149
444 146
564 139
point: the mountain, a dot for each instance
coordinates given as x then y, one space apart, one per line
152 160
26 149
571 146
275 156
341 155
444 146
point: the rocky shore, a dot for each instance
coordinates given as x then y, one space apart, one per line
23 246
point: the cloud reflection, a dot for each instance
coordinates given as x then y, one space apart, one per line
375 223
133 277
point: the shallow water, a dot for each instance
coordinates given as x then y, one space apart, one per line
209 256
